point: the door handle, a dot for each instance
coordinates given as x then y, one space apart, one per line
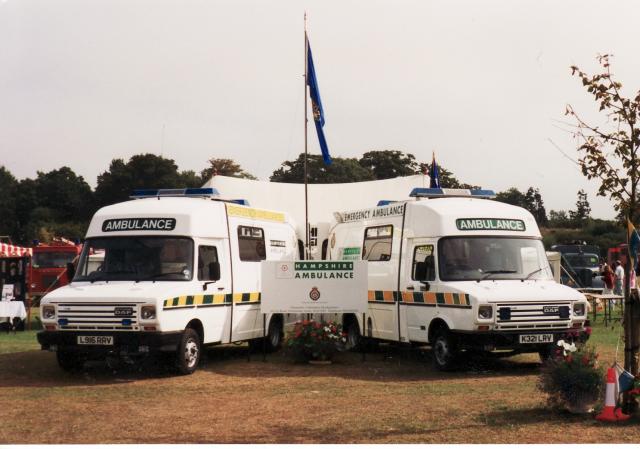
410 287
220 288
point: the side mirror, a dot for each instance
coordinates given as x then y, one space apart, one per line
214 271
71 271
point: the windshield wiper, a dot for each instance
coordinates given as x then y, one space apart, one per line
533 272
489 273
158 275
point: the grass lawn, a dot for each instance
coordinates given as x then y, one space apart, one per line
395 396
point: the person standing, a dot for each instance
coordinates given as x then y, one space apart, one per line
608 278
619 278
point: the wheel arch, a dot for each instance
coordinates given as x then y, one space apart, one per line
197 326
436 324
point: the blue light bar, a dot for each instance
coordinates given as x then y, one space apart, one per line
425 192
483 193
241 202
420 192
190 192
385 202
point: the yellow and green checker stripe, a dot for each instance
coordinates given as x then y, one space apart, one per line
188 301
457 300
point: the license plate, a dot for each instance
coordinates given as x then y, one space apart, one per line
95 340
536 338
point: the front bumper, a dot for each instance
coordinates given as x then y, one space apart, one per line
490 340
123 342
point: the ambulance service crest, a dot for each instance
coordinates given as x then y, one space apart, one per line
314 294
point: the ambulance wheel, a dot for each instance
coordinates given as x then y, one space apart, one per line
546 353
69 361
275 334
189 352
444 350
274 339
354 339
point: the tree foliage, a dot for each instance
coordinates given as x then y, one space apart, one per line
531 200
341 170
8 187
609 152
389 164
142 171
224 167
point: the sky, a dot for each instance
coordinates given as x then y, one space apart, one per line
483 84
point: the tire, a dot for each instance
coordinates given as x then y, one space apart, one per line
189 352
354 338
69 361
444 350
275 334
546 353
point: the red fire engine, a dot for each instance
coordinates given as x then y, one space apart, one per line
49 265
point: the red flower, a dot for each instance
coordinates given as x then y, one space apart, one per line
587 330
569 358
585 360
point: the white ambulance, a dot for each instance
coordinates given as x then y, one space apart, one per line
459 272
179 269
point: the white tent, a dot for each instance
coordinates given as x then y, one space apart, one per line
324 199
8 250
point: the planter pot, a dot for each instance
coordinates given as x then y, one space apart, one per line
319 362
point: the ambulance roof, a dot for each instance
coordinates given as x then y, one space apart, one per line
469 216
186 216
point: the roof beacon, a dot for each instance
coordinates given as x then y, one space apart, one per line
207 192
419 192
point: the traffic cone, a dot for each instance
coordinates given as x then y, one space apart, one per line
609 413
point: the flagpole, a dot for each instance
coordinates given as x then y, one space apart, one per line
306 193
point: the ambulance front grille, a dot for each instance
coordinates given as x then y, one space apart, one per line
533 315
98 316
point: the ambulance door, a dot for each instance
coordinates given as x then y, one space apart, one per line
418 288
248 241
380 248
214 301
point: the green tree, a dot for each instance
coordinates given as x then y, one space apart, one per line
224 167
389 164
609 153
559 219
66 194
341 170
142 171
531 200
446 178
583 210
8 187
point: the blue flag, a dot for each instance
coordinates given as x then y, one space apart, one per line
316 105
434 174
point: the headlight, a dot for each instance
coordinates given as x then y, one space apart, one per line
485 312
578 309
148 312
48 312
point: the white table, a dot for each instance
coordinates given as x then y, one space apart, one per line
12 309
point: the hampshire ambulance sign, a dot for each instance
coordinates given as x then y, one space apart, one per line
314 287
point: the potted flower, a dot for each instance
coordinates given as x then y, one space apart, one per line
312 340
572 379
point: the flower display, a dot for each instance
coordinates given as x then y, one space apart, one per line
315 340
572 379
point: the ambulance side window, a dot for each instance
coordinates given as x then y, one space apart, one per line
207 261
251 244
423 267
377 243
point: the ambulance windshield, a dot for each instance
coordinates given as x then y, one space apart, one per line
136 259
492 258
